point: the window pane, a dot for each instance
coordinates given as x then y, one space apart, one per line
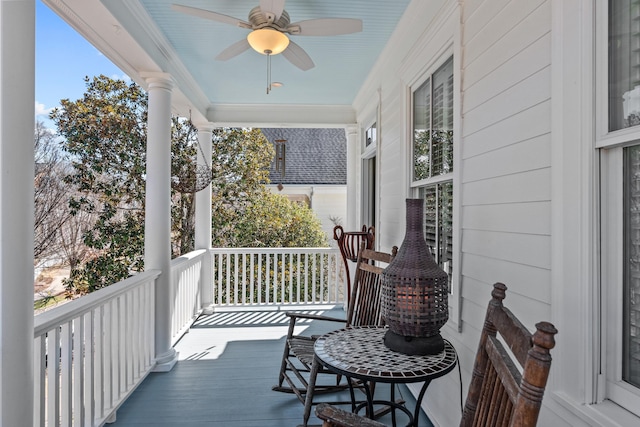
624 63
421 134
442 129
438 223
433 124
631 296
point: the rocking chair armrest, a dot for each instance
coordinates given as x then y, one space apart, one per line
293 316
337 417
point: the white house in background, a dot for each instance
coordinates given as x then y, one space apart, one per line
312 169
528 107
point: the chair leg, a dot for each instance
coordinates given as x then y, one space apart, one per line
308 399
287 352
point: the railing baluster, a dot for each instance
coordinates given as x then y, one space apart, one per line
99 363
251 278
282 278
268 278
291 272
39 371
323 266
298 273
227 300
77 377
244 280
89 369
53 377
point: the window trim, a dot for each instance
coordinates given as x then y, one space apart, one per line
451 49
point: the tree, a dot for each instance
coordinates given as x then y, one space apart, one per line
50 192
104 135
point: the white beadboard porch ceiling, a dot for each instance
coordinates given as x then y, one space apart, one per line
341 62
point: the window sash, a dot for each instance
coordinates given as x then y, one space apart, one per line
617 225
624 64
438 223
433 124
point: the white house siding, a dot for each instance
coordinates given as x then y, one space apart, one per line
503 63
506 144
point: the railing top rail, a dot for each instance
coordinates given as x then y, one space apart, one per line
187 257
50 319
326 250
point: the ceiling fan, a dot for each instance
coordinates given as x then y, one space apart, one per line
269 24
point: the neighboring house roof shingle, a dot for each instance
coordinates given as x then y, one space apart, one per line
313 156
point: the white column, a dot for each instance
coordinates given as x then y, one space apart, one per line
352 184
17 91
157 238
203 220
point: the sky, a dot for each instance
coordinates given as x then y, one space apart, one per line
63 59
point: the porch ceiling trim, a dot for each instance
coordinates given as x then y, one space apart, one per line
282 115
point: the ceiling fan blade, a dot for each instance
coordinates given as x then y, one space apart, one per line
326 27
272 9
234 50
298 57
207 14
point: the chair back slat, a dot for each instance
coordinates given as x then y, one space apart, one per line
499 394
502 363
365 308
509 325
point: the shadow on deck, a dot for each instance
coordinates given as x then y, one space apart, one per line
228 363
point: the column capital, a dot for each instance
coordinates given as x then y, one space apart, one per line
158 80
204 126
351 130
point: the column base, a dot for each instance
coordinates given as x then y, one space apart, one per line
166 362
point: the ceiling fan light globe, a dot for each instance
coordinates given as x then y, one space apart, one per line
266 39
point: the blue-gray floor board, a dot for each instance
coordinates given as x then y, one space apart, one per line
227 365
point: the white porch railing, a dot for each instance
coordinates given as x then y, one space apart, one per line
186 278
91 353
261 277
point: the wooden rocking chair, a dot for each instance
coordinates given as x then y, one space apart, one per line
499 395
349 243
363 310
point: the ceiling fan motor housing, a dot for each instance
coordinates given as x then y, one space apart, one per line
260 19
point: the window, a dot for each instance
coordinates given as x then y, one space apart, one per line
370 136
620 207
432 160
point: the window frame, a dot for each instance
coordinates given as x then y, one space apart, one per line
447 52
610 147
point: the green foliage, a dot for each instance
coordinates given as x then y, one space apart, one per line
271 220
244 212
105 134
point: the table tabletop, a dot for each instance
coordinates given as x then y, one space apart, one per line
360 352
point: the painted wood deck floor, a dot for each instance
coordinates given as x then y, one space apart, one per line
228 363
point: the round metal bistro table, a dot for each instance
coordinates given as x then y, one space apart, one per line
360 353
